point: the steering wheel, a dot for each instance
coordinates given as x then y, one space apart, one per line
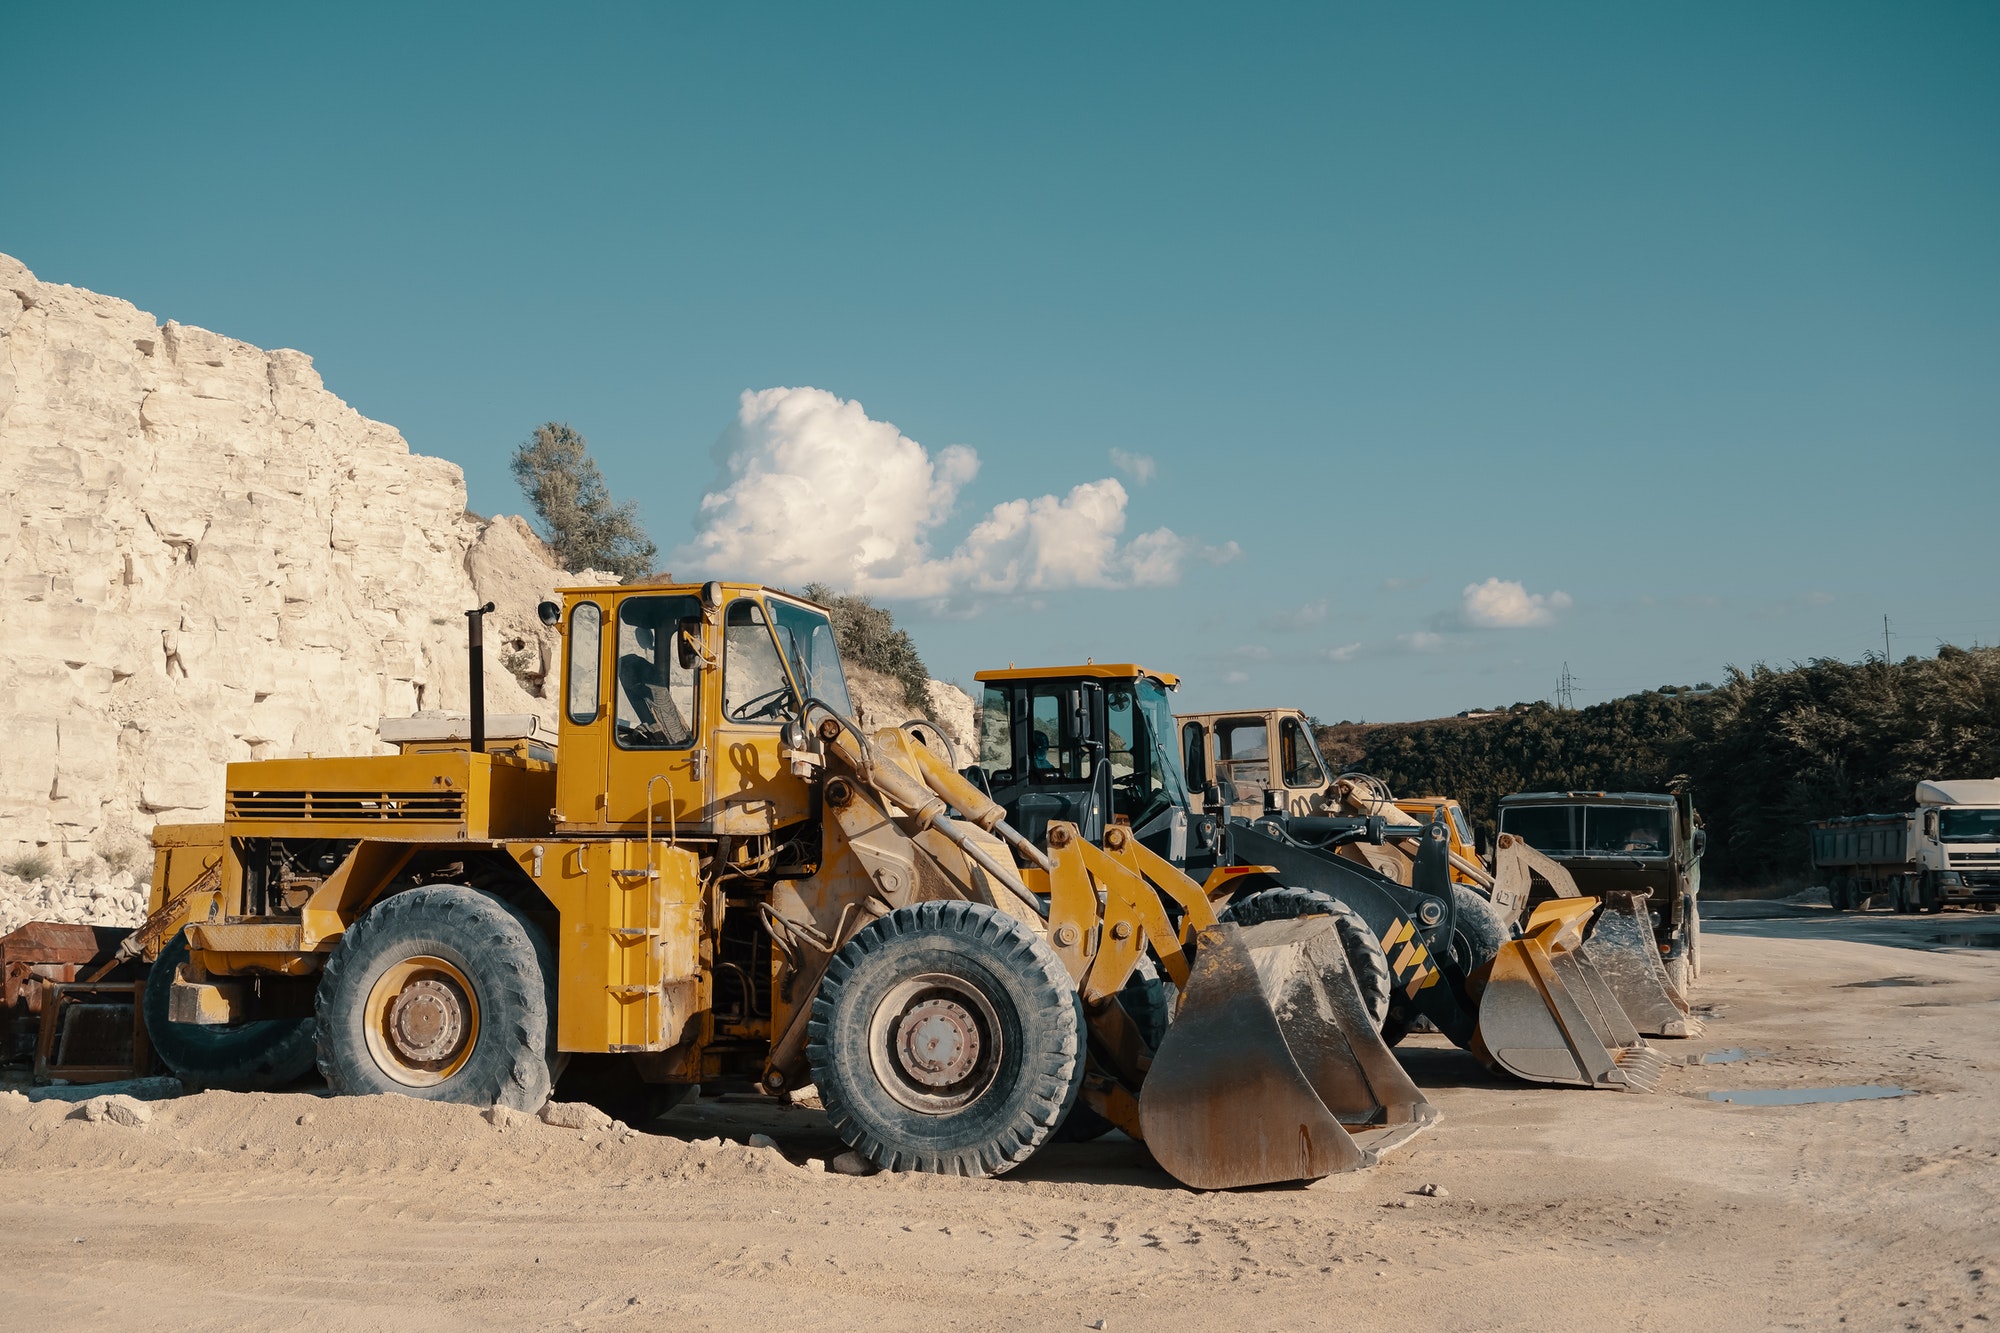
762 706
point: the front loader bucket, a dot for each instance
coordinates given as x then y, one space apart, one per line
1272 1065
1547 1016
1621 948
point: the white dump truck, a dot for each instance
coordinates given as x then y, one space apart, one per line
1945 852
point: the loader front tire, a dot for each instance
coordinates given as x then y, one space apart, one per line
1365 956
945 1037
243 1057
440 993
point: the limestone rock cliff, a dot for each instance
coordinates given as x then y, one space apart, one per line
205 556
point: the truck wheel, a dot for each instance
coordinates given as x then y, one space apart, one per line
1839 892
241 1057
440 993
946 1038
1365 958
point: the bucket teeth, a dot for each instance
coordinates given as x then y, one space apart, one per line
1641 1066
1548 1014
1622 952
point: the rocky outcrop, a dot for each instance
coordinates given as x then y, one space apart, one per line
205 556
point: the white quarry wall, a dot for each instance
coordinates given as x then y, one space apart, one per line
206 557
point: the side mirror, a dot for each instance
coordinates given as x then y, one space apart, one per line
1700 842
549 613
685 647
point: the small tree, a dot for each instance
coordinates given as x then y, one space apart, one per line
582 525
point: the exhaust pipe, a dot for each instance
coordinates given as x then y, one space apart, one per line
475 654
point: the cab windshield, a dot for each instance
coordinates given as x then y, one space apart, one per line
1145 777
810 651
1969 826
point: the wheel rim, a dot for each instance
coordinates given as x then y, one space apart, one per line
422 1021
935 1043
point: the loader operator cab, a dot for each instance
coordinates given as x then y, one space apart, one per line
1091 745
675 701
1241 763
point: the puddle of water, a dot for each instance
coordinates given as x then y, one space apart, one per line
1966 940
1802 1096
1893 981
1730 1056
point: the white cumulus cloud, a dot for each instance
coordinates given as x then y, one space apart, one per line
1298 618
1505 604
1139 467
810 487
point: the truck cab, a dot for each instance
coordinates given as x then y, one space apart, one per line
1644 842
1958 840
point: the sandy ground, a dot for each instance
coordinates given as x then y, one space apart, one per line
1564 1210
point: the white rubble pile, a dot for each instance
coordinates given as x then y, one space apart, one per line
93 897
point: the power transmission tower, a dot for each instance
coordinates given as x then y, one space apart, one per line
1885 640
1566 689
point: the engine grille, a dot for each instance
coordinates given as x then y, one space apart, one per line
430 807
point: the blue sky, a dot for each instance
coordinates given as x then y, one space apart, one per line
1685 320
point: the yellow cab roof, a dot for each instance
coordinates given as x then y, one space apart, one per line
730 587
1098 670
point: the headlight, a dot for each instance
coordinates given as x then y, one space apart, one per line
1952 878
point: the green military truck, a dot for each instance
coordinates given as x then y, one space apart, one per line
1630 842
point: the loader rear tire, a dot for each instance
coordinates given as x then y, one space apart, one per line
440 993
242 1057
946 1038
1365 957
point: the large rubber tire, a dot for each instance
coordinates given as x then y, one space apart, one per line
504 964
242 1057
1365 958
1144 1000
1019 1080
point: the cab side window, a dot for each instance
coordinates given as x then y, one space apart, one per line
1295 751
655 676
586 650
1194 755
754 687
1243 753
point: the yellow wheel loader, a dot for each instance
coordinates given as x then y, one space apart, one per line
710 875
1429 932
